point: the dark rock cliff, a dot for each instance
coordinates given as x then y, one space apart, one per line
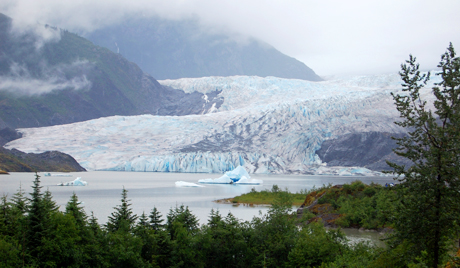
366 149
17 161
7 135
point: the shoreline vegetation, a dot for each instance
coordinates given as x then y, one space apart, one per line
281 238
262 198
354 205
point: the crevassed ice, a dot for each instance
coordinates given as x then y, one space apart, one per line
266 125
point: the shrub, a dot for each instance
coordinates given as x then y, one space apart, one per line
369 191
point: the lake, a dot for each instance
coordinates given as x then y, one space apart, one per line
149 189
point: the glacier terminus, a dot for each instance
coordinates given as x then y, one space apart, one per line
266 125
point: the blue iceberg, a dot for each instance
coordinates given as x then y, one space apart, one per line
76 182
237 176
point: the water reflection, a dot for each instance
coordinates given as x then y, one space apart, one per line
356 236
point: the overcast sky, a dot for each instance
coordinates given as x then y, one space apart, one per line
331 37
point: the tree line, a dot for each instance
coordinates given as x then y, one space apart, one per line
35 233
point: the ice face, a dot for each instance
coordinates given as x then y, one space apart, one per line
266 125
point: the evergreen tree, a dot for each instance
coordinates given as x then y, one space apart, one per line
143 221
184 216
155 243
74 209
223 243
5 216
20 201
156 222
429 191
123 217
48 202
19 205
94 225
36 219
94 239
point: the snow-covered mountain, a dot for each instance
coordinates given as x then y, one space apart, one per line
268 125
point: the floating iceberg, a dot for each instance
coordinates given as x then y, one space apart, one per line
245 180
238 173
57 175
239 176
186 184
222 180
76 182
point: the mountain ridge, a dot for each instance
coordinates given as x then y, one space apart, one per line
75 80
169 49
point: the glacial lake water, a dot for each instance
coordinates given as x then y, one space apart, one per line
149 189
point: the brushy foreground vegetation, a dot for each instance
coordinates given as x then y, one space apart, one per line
267 197
34 233
354 205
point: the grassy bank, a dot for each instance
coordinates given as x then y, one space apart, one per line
265 197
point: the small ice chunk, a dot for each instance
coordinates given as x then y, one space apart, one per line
186 184
76 182
222 180
245 180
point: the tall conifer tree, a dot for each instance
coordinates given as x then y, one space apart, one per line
429 191
123 216
36 219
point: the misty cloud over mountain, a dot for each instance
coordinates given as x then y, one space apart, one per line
27 66
70 79
20 81
171 49
332 37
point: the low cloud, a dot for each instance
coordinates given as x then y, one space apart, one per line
20 82
332 37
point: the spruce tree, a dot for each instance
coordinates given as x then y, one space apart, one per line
48 202
20 201
184 216
78 213
36 219
123 217
156 222
429 190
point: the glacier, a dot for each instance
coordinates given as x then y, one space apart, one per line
266 125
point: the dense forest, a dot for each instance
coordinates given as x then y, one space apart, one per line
35 233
